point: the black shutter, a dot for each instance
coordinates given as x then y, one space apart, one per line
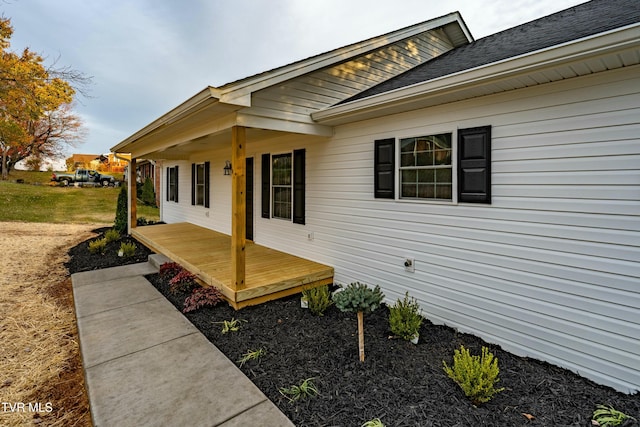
176 172
168 182
266 185
298 186
474 165
384 160
207 173
193 183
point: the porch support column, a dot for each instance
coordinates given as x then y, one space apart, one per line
133 200
238 207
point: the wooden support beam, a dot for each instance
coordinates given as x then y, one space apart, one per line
238 207
133 200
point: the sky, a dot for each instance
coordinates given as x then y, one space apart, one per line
146 57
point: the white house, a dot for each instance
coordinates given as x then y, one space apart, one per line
497 180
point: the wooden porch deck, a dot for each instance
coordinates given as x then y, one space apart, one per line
269 275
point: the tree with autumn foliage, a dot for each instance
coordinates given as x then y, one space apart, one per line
36 117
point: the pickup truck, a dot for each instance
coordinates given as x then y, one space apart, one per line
83 175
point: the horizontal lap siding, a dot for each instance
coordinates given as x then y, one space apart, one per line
550 269
296 99
217 217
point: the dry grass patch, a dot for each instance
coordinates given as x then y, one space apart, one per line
39 357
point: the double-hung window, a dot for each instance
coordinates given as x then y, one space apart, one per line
200 184
425 167
172 184
281 185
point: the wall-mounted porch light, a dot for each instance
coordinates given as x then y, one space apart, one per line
227 167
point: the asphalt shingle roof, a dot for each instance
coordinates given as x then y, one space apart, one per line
584 20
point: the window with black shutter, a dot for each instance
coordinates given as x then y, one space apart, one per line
384 168
283 186
474 165
200 174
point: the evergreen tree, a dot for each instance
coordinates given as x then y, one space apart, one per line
120 224
148 196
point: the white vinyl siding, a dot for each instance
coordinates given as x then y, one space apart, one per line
550 269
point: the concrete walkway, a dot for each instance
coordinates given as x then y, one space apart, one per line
147 365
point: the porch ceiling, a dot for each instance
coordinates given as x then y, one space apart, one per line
183 150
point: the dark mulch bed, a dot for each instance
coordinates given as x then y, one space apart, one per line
83 260
401 383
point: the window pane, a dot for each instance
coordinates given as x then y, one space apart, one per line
409 190
281 169
282 202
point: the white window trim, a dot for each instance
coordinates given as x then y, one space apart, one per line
203 185
272 186
454 167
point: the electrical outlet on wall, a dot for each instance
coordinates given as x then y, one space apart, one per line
310 235
410 264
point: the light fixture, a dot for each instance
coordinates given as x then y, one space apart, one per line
227 167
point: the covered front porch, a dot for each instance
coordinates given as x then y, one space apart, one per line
269 274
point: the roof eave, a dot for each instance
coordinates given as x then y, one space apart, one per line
207 95
378 105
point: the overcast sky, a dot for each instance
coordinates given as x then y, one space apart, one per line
148 56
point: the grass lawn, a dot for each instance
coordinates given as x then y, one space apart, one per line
44 203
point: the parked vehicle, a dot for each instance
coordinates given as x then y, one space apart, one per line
83 175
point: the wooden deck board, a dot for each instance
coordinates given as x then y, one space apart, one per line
270 274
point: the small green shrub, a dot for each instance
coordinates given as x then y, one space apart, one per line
251 355
607 416
121 222
111 235
127 249
376 422
98 246
169 270
202 297
319 299
232 325
405 318
184 281
296 392
358 297
362 299
476 375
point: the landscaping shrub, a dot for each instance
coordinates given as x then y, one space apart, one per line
405 318
112 235
120 224
184 281
296 392
127 249
608 416
360 298
169 270
98 246
319 299
202 297
476 375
